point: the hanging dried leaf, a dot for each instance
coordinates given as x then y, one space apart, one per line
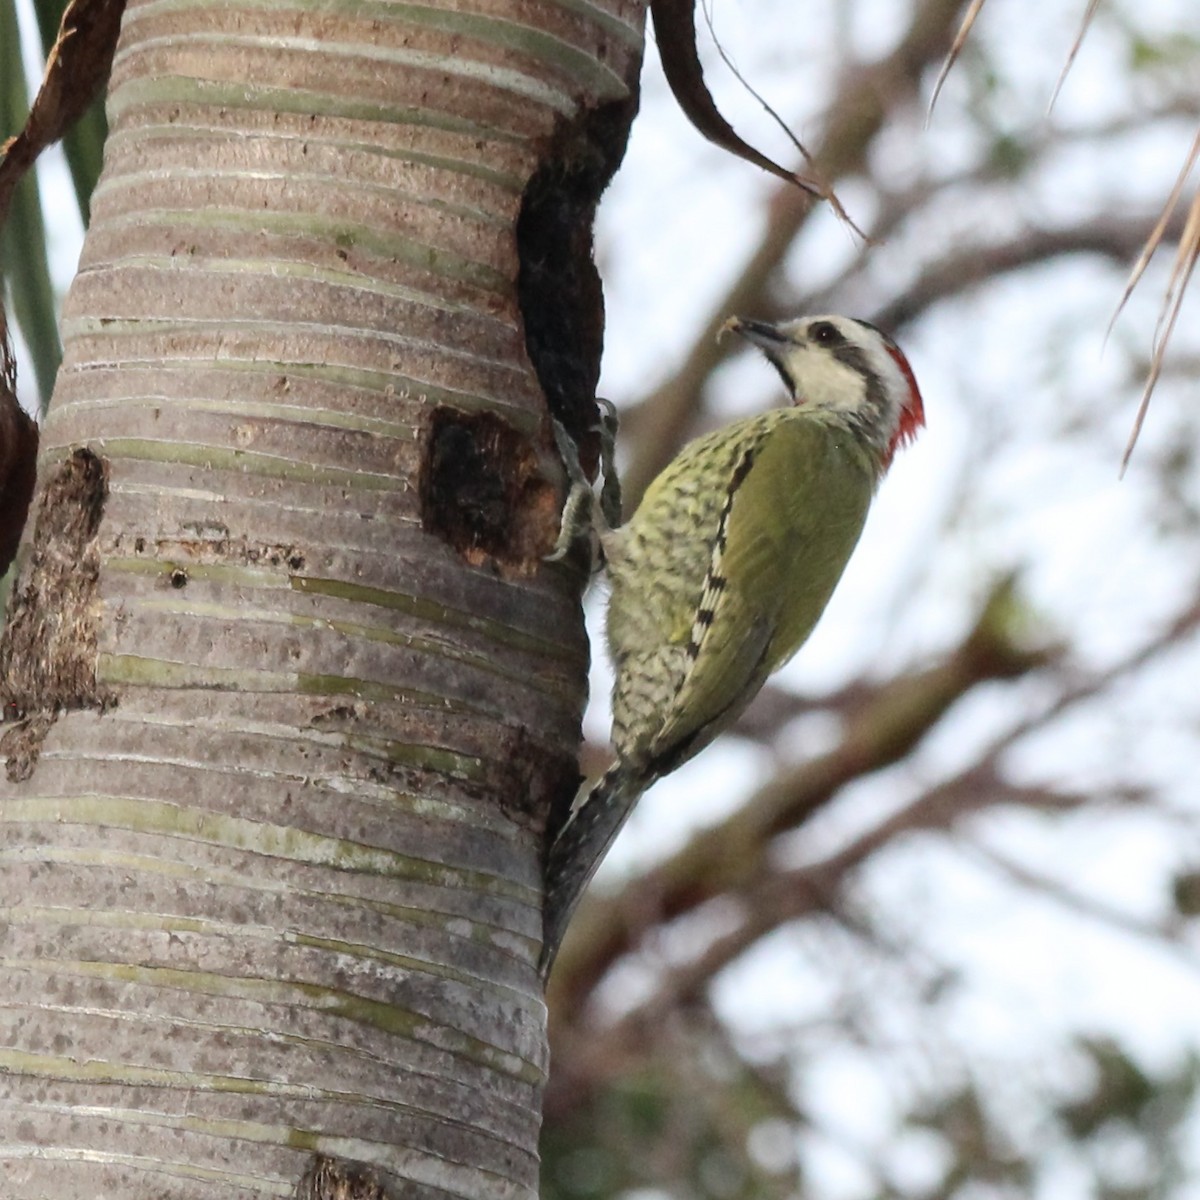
823 187
675 32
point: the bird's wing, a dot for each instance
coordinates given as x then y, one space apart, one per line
658 564
791 519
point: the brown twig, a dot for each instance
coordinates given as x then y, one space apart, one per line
77 67
1181 274
1185 260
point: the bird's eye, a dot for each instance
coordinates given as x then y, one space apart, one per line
825 334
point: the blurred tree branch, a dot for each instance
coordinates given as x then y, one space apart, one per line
730 859
1115 238
888 722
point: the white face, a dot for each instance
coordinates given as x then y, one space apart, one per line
842 365
831 363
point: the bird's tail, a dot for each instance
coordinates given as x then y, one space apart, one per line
580 847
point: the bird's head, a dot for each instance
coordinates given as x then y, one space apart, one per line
843 365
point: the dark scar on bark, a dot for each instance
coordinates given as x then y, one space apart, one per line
484 490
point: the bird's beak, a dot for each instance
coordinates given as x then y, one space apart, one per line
770 339
758 333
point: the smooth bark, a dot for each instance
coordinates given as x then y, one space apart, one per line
270 825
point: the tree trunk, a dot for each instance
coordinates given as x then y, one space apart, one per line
290 688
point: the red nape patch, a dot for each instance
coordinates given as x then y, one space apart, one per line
912 414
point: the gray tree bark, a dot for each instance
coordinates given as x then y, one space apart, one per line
289 687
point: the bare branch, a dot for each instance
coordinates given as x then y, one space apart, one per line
966 267
1086 906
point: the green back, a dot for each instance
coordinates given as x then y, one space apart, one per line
791 527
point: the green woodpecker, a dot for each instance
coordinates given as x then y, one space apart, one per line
729 561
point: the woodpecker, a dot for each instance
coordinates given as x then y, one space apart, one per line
728 563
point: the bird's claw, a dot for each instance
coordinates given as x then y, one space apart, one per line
579 513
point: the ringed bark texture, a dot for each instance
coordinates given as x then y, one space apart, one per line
272 885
